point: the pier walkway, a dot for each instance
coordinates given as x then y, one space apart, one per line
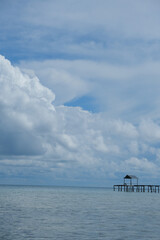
137 188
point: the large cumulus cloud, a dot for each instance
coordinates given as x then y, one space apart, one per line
38 138
26 110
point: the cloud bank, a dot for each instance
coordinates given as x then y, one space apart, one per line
80 102
119 31
59 142
130 93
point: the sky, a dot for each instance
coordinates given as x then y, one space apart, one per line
79 92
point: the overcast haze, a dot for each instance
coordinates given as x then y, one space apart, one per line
79 91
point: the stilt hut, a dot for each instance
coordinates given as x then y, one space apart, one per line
131 179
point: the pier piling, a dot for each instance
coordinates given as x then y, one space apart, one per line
137 188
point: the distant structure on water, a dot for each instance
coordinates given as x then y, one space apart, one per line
130 184
131 178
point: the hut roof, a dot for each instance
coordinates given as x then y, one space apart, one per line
130 177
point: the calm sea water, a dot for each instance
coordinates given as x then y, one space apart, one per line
77 213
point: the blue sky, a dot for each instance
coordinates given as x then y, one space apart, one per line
79 96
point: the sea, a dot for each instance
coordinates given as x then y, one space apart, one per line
40 213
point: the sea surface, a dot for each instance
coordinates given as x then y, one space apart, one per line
29 212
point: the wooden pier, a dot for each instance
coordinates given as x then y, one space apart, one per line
130 185
137 188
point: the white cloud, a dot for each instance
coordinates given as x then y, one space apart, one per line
141 165
23 100
67 138
125 92
134 147
107 50
150 131
66 84
116 17
119 31
36 137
